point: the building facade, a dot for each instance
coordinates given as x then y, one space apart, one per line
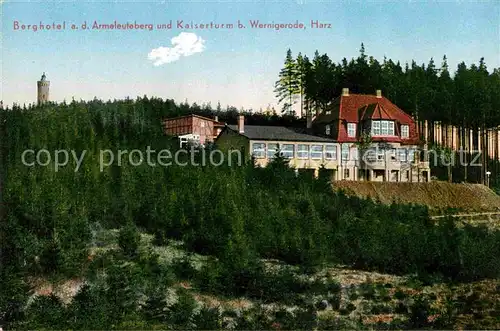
305 152
384 137
193 128
43 86
359 137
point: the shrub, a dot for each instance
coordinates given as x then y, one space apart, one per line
399 294
208 319
183 268
367 291
46 312
401 308
419 313
353 295
381 309
160 238
350 307
155 308
51 259
181 312
209 278
89 309
129 240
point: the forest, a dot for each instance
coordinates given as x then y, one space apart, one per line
236 217
466 96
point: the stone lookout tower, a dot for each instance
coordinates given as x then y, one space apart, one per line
43 90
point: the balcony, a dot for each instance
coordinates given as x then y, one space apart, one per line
389 163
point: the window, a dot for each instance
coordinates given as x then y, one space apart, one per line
259 150
355 153
327 130
384 128
405 131
202 124
402 155
345 152
287 150
303 151
272 149
330 152
316 152
391 128
346 173
351 129
411 155
376 128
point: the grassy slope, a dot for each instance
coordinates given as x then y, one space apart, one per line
437 195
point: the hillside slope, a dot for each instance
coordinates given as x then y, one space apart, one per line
436 195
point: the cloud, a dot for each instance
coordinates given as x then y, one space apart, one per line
185 44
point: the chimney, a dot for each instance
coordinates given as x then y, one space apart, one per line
345 92
379 93
309 119
216 118
241 124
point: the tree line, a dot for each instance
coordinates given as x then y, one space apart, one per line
468 96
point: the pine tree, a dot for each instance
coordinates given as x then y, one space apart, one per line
3 121
320 80
181 313
287 85
303 66
445 95
155 307
362 72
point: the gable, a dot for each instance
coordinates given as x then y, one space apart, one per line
379 108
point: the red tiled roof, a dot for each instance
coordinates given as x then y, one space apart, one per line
356 108
374 111
349 106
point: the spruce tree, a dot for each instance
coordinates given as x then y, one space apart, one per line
303 66
287 85
129 240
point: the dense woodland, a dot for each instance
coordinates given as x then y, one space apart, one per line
235 215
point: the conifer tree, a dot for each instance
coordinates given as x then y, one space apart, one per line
287 85
129 240
303 66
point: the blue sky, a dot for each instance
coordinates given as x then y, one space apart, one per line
234 66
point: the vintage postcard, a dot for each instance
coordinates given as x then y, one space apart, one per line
249 164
